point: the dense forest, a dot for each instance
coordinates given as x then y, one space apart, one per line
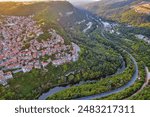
102 54
96 60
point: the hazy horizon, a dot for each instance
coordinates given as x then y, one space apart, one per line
50 0
75 2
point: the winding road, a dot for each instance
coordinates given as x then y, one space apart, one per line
131 82
134 77
61 88
145 83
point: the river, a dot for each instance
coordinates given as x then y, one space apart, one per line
60 88
134 77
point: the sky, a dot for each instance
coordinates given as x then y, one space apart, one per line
43 0
75 2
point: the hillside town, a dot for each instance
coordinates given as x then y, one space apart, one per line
20 50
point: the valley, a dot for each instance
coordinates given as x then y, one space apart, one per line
80 55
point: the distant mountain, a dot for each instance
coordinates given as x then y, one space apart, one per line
134 12
108 7
55 14
81 2
137 15
20 8
143 7
57 9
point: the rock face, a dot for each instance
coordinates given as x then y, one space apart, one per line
143 7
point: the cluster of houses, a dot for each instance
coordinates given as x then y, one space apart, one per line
20 51
110 27
144 38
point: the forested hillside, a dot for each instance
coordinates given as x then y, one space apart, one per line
133 12
96 60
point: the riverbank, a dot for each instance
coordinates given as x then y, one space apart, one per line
57 89
147 79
